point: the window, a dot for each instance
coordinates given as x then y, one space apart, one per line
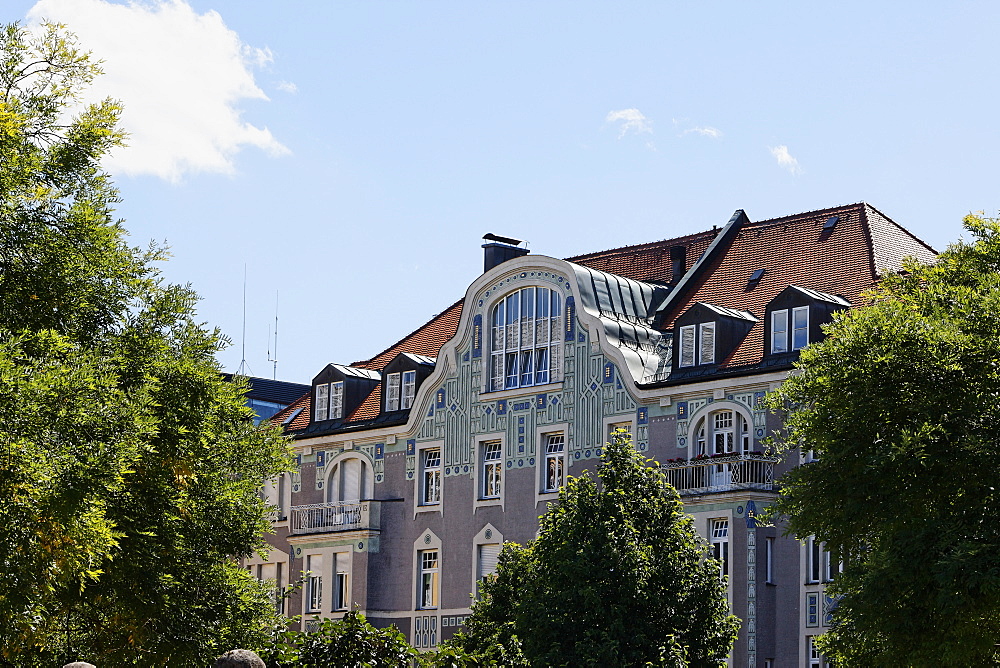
492 470
555 454
486 562
705 351
785 335
624 427
833 566
337 400
812 609
720 544
392 392
430 493
349 481
409 389
341 593
815 660
728 432
314 582
271 574
427 588
814 559
322 403
526 339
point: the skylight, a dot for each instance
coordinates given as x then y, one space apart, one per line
831 222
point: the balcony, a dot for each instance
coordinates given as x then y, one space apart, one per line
724 473
335 516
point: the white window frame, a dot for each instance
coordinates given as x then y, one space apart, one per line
789 337
491 461
704 441
483 573
718 532
488 535
409 390
322 403
554 462
795 331
429 573
814 560
812 653
706 343
779 336
392 392
314 583
687 352
337 400
526 338
341 591
429 484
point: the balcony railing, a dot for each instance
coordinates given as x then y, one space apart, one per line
336 516
722 474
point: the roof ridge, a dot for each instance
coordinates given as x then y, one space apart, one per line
803 214
361 363
642 246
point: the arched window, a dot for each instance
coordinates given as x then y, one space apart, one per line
722 432
527 338
349 481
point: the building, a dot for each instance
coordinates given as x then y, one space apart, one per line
266 396
415 465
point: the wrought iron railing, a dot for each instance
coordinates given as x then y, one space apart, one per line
335 516
721 474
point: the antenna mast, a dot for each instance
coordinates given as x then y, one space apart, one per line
274 373
244 367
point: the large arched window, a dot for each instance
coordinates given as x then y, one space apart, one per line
349 481
527 339
722 432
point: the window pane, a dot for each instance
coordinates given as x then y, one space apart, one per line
779 331
800 328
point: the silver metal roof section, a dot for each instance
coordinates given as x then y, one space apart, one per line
626 309
821 296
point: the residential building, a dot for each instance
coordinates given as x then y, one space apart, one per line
415 465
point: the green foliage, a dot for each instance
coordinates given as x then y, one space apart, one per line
352 642
900 402
129 469
617 577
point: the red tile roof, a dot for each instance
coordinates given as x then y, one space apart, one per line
793 250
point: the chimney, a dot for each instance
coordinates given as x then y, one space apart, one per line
500 249
678 263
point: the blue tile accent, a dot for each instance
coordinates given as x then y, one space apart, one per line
758 400
581 338
570 316
411 447
465 357
502 407
465 469
298 460
447 470
641 415
440 398
520 439
554 400
531 462
320 458
520 448
520 420
520 462
379 450
609 373
489 410
520 430
430 411
751 515
521 406
477 335
682 410
541 401
587 453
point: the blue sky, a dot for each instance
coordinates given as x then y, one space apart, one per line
351 155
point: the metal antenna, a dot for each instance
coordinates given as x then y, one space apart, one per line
274 373
244 367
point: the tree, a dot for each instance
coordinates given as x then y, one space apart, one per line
900 403
351 642
129 469
617 577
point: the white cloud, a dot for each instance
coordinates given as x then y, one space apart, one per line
785 159
706 131
631 120
181 76
288 87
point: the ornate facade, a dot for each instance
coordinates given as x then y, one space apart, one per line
414 466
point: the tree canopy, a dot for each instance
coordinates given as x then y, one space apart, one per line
617 577
129 468
901 404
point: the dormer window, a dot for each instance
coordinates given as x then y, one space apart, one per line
704 351
785 335
392 392
337 400
329 401
409 389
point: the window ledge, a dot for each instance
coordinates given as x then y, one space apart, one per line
482 503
